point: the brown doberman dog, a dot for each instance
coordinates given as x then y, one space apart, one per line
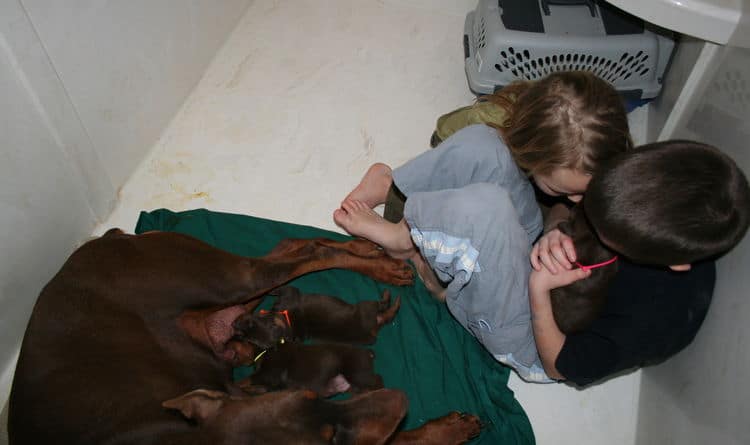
132 322
259 419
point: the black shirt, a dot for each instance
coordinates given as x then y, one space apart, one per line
650 314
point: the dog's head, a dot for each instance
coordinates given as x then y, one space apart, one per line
577 305
263 329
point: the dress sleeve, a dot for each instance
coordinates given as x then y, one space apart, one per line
479 113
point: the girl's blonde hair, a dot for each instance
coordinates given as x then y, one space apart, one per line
569 119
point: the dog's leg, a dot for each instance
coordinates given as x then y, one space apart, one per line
299 256
292 258
452 429
204 275
386 312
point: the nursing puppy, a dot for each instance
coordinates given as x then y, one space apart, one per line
326 369
297 316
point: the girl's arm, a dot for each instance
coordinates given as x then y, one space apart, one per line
548 337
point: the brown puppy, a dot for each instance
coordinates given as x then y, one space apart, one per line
132 321
326 369
297 316
575 306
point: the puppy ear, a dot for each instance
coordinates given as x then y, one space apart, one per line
565 227
199 405
243 323
287 297
285 291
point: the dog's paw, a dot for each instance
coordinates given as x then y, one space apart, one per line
393 271
247 386
452 429
365 248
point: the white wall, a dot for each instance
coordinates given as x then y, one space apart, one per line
701 396
660 112
86 88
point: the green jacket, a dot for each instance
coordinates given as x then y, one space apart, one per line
483 112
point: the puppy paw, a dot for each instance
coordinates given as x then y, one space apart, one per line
247 386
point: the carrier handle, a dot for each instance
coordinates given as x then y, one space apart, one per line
589 3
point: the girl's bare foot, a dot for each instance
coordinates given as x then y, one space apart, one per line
358 219
373 188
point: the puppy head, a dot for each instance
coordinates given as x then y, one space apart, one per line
262 329
577 305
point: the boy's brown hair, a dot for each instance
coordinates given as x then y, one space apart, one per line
570 119
577 305
669 203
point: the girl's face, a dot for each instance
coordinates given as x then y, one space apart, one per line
563 182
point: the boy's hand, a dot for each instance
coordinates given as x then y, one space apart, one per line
554 251
541 282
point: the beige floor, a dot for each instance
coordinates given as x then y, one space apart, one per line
302 98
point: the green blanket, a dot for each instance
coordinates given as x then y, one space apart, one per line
423 352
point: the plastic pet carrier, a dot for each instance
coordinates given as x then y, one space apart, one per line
509 40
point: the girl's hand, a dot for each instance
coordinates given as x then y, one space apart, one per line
554 251
541 282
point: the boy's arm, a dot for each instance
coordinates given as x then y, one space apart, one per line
548 337
554 250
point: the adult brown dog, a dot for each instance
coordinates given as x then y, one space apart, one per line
130 322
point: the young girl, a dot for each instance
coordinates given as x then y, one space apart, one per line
470 216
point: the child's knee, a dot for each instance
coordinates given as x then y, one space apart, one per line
490 203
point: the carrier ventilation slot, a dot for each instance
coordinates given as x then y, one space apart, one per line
480 35
520 63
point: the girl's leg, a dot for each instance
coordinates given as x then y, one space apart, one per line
473 240
358 219
373 188
474 154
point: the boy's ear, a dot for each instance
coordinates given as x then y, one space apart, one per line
680 267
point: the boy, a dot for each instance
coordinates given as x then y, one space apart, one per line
669 209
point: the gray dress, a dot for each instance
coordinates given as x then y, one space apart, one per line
472 213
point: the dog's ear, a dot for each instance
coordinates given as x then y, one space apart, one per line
199 405
286 291
565 227
243 323
287 298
